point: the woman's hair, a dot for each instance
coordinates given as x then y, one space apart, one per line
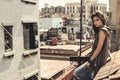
101 16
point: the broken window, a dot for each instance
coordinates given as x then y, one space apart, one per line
29 33
8 38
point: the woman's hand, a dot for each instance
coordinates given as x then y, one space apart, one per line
87 65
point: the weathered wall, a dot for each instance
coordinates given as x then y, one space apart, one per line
13 65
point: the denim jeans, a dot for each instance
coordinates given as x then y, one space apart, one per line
83 73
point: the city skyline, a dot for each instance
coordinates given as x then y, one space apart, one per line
63 2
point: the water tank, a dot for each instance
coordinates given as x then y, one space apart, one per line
54 41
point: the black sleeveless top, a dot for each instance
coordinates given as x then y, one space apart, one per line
101 59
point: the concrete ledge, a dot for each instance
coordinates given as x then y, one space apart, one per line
31 74
30 1
7 54
28 52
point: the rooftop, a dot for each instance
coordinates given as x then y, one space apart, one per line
49 68
65 47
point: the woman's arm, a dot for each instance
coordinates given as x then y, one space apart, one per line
99 46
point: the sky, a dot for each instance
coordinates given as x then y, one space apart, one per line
62 2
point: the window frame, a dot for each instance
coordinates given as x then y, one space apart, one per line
28 29
8 36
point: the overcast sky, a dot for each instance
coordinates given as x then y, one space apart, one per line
62 2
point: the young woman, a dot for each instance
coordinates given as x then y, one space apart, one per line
100 49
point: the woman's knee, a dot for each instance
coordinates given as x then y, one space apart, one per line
75 72
79 72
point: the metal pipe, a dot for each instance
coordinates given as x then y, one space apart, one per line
81 27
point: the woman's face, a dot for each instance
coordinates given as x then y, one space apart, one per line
97 22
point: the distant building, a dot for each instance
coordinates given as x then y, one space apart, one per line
52 11
99 6
73 9
51 23
90 1
19 52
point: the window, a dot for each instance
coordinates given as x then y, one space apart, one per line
8 41
29 33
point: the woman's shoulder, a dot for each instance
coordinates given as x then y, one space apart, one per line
106 29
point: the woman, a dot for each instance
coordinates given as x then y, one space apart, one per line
99 53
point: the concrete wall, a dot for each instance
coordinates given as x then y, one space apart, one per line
47 23
14 12
113 10
115 21
118 23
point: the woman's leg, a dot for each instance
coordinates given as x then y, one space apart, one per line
82 73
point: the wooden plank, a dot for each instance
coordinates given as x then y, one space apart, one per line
111 62
110 67
104 73
86 52
114 77
115 54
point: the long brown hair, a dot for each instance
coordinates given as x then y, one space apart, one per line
101 16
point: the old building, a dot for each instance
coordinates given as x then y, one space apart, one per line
19 52
73 9
52 11
102 7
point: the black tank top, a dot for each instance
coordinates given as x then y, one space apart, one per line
101 59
